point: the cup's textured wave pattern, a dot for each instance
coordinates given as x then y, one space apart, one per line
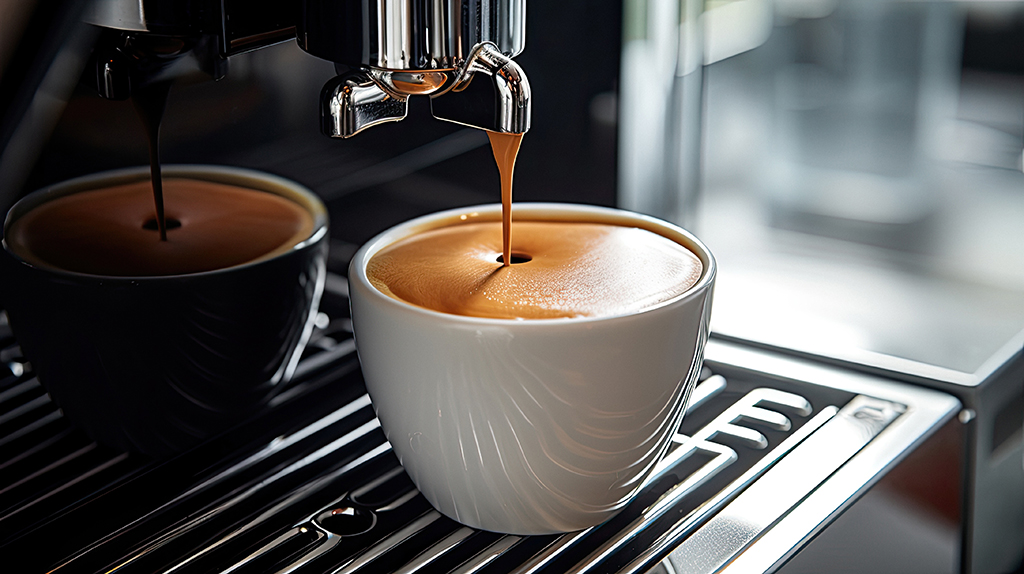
541 450
528 430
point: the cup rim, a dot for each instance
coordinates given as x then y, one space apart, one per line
535 211
254 179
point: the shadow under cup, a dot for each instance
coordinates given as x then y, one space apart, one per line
157 364
529 426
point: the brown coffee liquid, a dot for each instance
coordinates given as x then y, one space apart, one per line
574 269
112 231
505 148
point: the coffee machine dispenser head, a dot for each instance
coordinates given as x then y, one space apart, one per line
386 51
143 41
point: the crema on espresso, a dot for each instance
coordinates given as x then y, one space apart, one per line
113 231
560 269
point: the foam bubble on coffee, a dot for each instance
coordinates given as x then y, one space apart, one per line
568 269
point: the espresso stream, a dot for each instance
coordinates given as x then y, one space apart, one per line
196 225
558 269
505 148
150 101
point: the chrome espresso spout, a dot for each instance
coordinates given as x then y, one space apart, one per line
499 101
457 52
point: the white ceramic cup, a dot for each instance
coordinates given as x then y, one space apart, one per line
529 426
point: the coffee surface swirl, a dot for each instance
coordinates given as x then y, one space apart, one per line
111 231
575 269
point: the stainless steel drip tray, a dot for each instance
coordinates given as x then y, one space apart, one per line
805 483
772 449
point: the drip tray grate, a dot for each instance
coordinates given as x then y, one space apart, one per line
312 485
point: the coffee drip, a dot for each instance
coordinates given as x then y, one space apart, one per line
568 269
108 230
506 147
150 101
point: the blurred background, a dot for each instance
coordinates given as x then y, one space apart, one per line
862 181
856 167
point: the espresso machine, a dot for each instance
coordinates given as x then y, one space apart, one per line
787 460
383 54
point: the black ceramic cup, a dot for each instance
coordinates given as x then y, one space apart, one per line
157 364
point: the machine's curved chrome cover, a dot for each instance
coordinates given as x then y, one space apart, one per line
353 102
407 35
501 104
